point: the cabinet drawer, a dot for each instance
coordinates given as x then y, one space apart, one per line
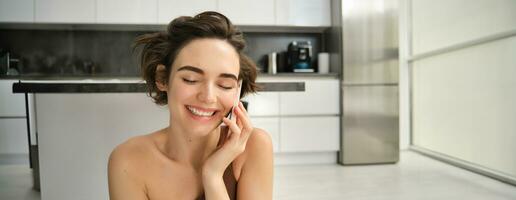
263 104
309 134
271 125
11 105
13 136
319 97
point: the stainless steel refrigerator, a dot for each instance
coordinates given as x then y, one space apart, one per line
370 128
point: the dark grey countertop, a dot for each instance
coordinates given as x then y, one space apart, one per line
80 77
122 86
129 84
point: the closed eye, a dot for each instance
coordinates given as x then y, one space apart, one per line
188 81
226 88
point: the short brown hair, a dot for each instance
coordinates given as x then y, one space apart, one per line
163 47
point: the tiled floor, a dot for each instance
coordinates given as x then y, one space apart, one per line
414 177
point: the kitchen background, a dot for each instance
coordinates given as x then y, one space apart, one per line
421 89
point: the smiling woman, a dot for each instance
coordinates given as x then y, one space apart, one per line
196 68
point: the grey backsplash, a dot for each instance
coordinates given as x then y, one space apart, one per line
109 53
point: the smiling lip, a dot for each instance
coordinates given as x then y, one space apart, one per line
202 118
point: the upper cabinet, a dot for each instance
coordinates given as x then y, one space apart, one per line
248 12
241 12
16 10
127 11
65 11
303 12
170 9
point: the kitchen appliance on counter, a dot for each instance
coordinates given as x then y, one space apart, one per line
299 56
9 63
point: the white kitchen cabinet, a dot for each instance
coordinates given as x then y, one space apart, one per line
11 105
13 136
248 12
16 10
127 11
303 12
170 9
309 134
65 11
263 104
321 97
271 125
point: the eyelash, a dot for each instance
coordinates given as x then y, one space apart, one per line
189 81
193 82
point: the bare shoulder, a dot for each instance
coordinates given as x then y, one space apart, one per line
125 167
130 150
256 173
130 156
259 140
259 146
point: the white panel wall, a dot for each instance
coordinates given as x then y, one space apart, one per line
464 107
463 100
440 23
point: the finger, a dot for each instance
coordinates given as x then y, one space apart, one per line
235 130
241 106
239 120
233 115
246 126
242 116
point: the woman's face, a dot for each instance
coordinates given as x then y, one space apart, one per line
203 85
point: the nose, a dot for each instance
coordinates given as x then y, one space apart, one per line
207 94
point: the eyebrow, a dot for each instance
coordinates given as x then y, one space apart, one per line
200 71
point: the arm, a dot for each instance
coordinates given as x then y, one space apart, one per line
256 178
123 185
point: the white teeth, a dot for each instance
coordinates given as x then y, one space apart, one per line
200 113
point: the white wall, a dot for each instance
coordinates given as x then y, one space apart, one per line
463 100
440 23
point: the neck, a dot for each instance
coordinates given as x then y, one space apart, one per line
188 149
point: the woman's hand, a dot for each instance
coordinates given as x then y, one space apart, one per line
240 128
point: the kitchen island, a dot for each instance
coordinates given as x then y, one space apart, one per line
77 123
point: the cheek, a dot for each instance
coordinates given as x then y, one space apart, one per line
181 93
228 99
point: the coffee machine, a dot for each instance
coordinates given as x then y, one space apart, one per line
299 56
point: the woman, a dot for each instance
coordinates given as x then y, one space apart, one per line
195 68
